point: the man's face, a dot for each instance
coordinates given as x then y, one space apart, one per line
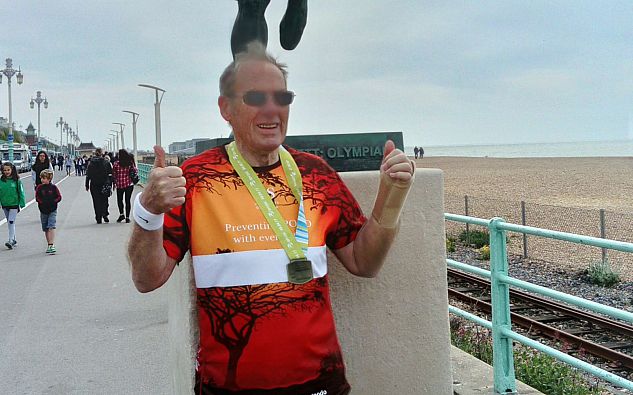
261 130
46 180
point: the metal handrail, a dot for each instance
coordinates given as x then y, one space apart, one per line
502 334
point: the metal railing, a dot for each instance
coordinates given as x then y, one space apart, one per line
501 325
143 172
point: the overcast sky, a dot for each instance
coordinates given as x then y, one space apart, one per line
442 72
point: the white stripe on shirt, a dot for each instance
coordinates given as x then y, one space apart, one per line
251 267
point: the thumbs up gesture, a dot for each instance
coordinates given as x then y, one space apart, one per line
395 164
165 187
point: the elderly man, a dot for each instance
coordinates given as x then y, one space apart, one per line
257 218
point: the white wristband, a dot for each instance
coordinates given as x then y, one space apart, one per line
144 218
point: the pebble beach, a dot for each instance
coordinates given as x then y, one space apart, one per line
563 194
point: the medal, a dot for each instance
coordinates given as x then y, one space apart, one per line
299 271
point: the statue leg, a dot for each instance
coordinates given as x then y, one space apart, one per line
293 23
249 25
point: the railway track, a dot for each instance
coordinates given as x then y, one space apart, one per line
582 331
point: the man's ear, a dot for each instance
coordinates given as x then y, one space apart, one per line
225 107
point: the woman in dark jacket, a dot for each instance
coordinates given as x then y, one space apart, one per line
42 162
99 173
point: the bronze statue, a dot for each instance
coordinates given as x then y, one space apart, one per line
250 24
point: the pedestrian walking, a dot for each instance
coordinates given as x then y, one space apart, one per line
416 151
42 162
125 175
60 162
99 183
48 196
69 164
11 199
84 165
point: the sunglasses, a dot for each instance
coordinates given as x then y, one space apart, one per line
259 98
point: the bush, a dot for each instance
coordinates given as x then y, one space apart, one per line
484 253
548 375
476 238
532 367
600 273
450 244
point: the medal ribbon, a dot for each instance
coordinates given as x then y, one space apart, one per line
297 246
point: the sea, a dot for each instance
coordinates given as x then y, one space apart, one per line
534 150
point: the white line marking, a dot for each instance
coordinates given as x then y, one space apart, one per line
4 221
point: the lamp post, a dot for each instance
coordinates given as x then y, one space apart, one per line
156 109
116 139
38 99
61 124
9 72
134 119
67 129
122 126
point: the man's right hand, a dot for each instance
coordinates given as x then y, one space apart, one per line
165 188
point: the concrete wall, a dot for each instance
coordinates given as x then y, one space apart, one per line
393 329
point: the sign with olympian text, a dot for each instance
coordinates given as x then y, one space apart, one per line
344 152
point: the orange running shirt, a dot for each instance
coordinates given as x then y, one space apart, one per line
260 334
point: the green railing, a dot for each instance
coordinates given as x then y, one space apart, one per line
501 325
143 172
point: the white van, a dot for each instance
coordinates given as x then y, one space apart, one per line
22 158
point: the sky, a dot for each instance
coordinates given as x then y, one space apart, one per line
442 72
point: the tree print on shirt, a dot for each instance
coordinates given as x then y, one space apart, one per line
235 311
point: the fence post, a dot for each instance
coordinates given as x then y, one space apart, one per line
502 356
466 214
603 234
524 223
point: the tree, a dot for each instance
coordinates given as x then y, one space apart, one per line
235 311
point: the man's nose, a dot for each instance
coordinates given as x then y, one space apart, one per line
270 106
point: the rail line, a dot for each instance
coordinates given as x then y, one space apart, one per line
594 334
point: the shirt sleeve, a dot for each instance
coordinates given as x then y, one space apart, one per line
350 217
21 197
58 198
38 194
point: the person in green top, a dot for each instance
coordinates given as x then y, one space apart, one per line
11 199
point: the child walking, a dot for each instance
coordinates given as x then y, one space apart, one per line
11 199
47 196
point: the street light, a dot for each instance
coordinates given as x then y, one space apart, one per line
38 99
156 109
122 126
115 143
61 124
9 72
134 119
67 129
116 139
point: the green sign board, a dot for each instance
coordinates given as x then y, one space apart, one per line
344 152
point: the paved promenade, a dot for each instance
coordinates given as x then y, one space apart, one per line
73 323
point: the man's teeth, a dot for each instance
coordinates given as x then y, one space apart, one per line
267 125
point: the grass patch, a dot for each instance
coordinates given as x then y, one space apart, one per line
536 369
450 244
484 253
475 238
600 273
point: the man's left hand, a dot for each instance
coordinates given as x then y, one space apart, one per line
396 165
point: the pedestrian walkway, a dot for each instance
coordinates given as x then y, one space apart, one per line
73 323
